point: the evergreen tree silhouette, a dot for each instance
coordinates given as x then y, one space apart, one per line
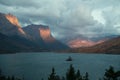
13 78
42 79
86 76
8 78
63 78
53 75
110 74
117 74
78 75
70 75
0 72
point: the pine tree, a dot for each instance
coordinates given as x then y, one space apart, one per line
53 75
78 75
63 78
86 77
42 79
8 78
0 72
110 74
117 74
70 75
13 78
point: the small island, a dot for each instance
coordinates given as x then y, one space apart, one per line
69 58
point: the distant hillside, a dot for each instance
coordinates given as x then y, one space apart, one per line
76 43
108 47
83 41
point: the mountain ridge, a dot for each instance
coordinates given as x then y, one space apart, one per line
111 46
10 26
43 34
32 38
19 39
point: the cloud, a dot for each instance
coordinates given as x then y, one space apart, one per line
68 18
98 16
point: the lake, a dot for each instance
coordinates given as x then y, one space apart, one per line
34 66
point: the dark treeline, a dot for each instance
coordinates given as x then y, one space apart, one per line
4 77
72 74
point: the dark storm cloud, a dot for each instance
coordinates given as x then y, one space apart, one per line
68 17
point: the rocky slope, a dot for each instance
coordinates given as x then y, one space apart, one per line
16 44
10 26
42 35
12 36
110 46
76 43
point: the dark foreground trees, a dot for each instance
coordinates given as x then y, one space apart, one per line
3 77
53 75
72 74
111 74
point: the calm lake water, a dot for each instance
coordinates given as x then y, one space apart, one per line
34 66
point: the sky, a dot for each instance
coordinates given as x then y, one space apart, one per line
67 18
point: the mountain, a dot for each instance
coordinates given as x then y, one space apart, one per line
76 43
6 44
110 46
10 26
12 36
42 35
16 44
83 41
